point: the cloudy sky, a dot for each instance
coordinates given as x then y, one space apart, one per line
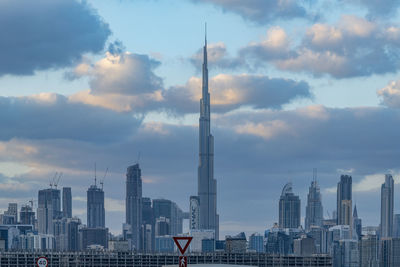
295 85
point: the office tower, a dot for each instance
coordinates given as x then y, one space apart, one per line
194 213
94 237
389 252
27 215
304 246
344 200
207 185
256 243
147 231
289 208
369 251
49 208
67 202
170 210
319 234
66 234
162 226
357 225
346 253
134 203
314 211
13 211
387 193
95 207
396 226
236 244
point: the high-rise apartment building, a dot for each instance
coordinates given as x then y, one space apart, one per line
314 210
12 211
134 203
95 207
67 202
344 200
387 193
49 208
289 208
396 225
147 231
207 185
27 215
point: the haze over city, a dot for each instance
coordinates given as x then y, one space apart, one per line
294 85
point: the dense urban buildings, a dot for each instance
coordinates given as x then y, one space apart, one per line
207 185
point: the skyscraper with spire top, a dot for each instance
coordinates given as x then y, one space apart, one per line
207 185
314 210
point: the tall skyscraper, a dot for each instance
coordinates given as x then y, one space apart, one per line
95 207
207 185
387 193
134 203
67 202
344 200
314 211
357 225
289 208
49 208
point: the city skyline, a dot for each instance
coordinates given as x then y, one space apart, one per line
281 105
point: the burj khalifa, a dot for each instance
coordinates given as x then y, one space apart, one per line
207 185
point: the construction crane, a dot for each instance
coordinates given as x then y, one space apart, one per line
102 181
58 180
53 180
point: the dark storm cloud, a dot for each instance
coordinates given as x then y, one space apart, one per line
52 116
47 34
261 11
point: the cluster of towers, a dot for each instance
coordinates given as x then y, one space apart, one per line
341 236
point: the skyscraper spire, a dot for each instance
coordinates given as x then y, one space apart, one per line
205 34
207 185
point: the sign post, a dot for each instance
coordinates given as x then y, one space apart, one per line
42 262
182 248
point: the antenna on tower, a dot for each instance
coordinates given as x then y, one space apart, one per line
138 158
95 176
205 33
102 181
314 174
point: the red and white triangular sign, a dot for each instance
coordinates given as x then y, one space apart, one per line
182 242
